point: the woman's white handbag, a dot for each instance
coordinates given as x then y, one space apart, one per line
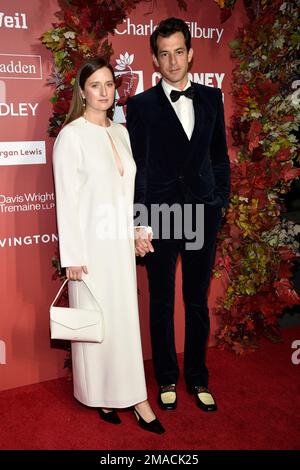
76 324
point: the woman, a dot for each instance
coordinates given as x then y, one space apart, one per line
94 175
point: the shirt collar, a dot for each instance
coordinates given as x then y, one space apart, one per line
168 88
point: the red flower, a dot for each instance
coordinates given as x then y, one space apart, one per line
254 143
285 253
245 90
85 18
255 129
69 75
286 293
224 262
85 39
265 90
283 154
285 270
61 106
70 19
288 118
289 173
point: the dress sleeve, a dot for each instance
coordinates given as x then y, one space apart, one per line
66 159
139 137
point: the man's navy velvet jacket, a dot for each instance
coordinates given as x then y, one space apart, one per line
168 163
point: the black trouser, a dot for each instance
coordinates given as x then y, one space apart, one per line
196 272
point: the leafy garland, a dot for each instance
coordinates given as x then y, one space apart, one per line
80 33
252 8
258 247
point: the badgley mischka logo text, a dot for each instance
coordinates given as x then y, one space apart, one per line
20 109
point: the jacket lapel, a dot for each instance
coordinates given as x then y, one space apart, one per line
199 117
204 122
169 114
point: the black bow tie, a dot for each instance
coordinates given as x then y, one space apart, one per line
189 93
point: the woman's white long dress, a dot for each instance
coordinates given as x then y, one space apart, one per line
95 225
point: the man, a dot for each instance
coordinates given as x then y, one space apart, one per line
178 141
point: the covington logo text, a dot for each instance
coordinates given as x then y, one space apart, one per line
28 240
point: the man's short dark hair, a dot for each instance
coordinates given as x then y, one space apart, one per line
168 27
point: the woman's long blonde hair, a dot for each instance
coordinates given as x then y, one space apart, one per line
77 105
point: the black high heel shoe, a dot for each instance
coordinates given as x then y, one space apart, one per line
152 426
111 417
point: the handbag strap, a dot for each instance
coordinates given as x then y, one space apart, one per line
63 285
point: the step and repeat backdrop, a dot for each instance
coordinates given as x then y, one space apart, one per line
28 232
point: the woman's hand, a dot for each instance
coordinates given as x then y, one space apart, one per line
74 273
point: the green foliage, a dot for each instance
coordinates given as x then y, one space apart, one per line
265 128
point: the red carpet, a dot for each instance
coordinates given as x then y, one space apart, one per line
258 398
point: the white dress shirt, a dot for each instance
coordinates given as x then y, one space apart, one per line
183 108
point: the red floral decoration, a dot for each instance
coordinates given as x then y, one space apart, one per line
258 247
81 32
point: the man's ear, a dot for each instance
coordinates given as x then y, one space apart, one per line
190 55
154 58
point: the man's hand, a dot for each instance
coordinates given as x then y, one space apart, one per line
74 273
143 240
